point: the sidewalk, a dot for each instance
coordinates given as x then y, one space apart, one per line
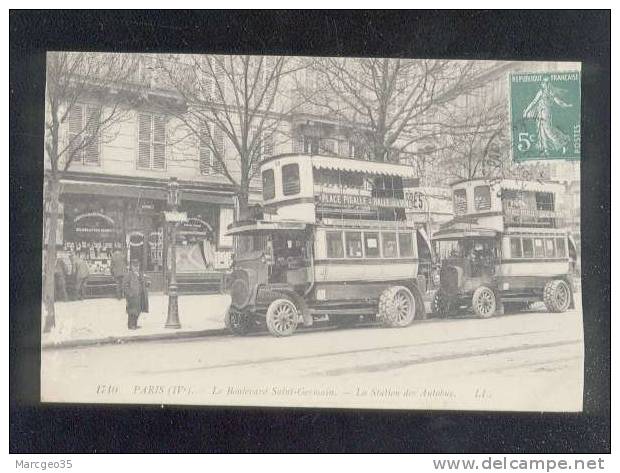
96 321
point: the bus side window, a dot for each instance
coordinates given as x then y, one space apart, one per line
405 243
389 245
290 179
549 248
354 244
515 248
371 244
539 248
560 246
528 248
334 245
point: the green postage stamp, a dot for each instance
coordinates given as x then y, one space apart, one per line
545 112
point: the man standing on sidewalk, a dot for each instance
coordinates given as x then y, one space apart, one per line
136 294
119 269
80 273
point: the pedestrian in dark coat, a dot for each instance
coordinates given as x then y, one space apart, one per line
60 280
80 274
118 268
135 287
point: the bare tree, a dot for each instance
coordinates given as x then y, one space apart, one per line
87 94
240 99
474 142
391 103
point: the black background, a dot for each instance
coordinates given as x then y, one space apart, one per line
536 35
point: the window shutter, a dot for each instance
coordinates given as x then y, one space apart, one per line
257 153
270 81
91 152
267 144
220 76
144 140
204 153
75 127
259 86
159 142
218 144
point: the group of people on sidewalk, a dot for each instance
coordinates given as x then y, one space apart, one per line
130 283
69 280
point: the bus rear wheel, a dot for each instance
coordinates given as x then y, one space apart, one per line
397 307
556 296
282 318
441 304
483 302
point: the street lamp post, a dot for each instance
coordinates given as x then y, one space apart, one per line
174 198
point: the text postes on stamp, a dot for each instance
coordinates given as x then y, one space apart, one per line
545 115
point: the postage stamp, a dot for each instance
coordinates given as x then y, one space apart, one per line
545 115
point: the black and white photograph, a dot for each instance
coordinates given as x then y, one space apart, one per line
312 232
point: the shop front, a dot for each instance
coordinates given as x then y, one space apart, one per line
94 226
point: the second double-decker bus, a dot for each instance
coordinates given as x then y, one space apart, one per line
507 245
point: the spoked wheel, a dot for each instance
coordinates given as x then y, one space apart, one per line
441 305
557 296
397 306
483 302
282 318
237 321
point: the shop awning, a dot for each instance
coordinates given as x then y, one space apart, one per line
139 192
262 226
367 167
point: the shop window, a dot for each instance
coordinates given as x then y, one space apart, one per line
528 248
482 197
151 141
290 179
405 244
354 244
334 245
539 248
549 248
269 185
560 246
371 245
515 248
390 249
83 143
460 201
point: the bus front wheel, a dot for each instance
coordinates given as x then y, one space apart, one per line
282 318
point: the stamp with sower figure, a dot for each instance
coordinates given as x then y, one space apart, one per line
545 115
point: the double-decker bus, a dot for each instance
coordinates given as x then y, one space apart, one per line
507 245
330 241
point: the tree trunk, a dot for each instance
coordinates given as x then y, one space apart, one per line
52 196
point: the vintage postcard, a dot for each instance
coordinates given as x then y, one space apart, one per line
312 232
